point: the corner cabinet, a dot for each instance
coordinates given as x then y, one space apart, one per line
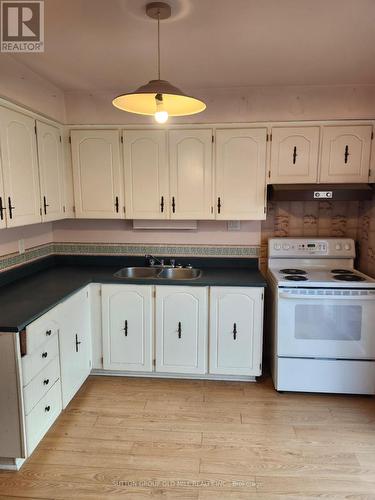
190 163
346 153
146 174
236 324
21 196
127 326
181 329
75 343
51 171
241 174
294 155
97 174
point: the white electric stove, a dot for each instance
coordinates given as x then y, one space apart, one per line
322 317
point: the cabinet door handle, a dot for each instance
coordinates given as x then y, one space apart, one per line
126 328
179 329
46 381
44 354
294 155
346 154
2 209
77 343
47 408
173 205
218 205
45 205
49 333
116 204
162 204
11 207
234 331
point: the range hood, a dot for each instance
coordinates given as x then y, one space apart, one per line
317 192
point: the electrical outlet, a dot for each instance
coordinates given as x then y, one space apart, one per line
234 225
21 246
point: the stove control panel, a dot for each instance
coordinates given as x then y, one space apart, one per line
310 248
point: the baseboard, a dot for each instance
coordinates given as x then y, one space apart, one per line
228 378
11 463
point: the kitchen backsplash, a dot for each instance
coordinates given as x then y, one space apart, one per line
352 219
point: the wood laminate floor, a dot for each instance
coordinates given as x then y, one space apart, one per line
201 440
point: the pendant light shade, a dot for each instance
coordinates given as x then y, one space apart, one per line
159 97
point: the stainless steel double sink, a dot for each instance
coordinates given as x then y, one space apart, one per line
169 273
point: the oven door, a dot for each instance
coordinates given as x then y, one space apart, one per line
326 323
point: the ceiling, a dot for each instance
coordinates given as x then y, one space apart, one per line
111 44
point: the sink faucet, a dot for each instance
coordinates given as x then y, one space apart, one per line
155 262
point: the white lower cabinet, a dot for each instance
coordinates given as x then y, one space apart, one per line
75 343
236 322
181 329
127 320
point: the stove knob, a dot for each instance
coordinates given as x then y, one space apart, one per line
347 246
286 246
338 246
277 246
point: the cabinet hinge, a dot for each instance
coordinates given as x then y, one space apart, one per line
269 174
60 139
369 172
154 293
102 360
70 139
122 139
40 211
100 292
123 209
267 138
74 208
35 130
213 138
64 210
154 362
372 135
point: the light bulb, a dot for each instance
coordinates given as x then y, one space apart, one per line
161 116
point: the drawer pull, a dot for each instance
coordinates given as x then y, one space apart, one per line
126 328
46 381
179 329
44 354
49 333
47 408
77 343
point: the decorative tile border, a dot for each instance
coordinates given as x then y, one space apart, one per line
14 260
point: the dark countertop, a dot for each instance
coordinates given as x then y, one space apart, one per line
30 291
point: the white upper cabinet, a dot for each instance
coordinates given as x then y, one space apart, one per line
236 323
181 329
240 174
51 171
146 174
190 157
97 174
345 153
294 155
20 168
127 316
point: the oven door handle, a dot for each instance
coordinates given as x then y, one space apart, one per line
332 297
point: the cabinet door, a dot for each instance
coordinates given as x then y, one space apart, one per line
241 174
181 329
294 155
146 174
127 327
73 317
97 174
190 154
346 153
3 221
50 171
236 330
20 168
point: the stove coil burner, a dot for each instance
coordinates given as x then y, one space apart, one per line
295 277
341 271
292 271
348 277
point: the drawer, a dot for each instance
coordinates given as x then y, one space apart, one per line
39 331
42 416
33 363
41 384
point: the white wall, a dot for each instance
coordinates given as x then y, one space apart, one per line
239 104
34 235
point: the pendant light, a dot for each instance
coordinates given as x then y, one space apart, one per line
159 97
